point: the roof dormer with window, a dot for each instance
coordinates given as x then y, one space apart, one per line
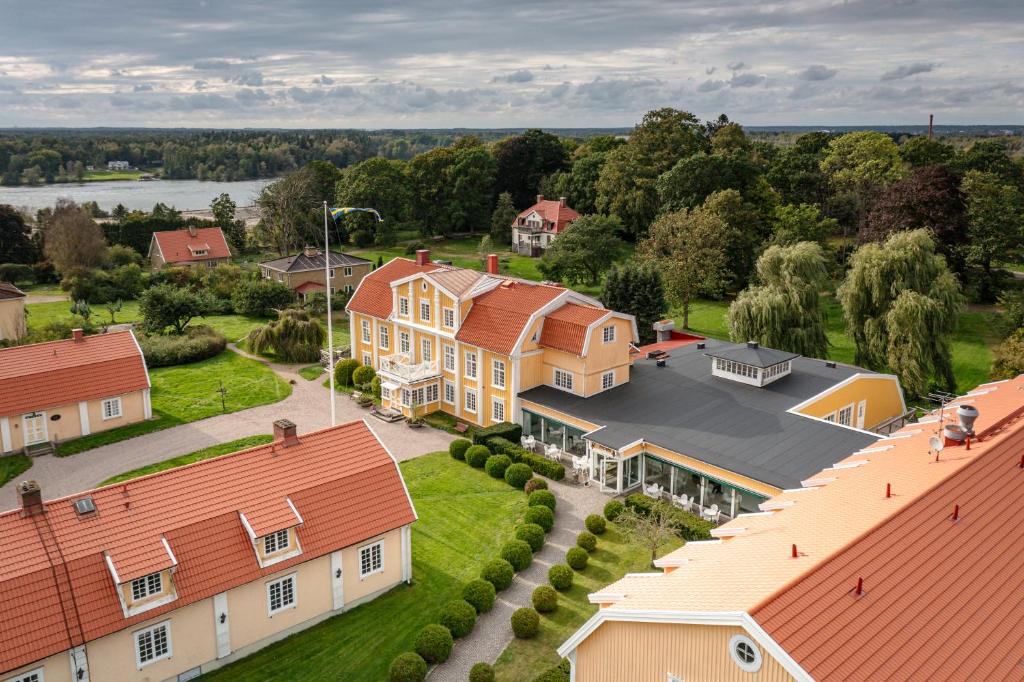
273 530
145 580
751 364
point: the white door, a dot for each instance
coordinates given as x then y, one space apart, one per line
35 427
222 627
860 413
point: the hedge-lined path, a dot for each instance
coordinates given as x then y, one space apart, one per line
308 406
493 631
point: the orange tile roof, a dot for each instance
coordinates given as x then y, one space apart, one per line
552 211
309 287
498 317
566 328
44 375
342 481
177 246
373 295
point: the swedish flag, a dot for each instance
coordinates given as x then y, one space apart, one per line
339 212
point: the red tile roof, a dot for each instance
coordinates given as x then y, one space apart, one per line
557 216
566 328
9 291
309 287
373 295
342 481
178 246
498 317
45 375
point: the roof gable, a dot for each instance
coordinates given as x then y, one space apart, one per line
373 296
498 317
179 246
566 328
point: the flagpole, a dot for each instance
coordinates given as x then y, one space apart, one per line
330 329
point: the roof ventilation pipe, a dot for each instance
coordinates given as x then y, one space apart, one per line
967 414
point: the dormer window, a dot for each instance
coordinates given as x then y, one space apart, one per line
750 364
276 542
147 586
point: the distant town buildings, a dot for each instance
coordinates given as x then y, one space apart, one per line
535 228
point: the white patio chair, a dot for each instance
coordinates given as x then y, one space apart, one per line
681 501
653 490
528 442
552 452
712 513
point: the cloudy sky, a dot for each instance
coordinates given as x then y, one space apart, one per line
507 63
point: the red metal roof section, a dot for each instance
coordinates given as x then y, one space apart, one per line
498 317
177 246
45 375
373 296
9 291
566 328
553 211
341 480
676 340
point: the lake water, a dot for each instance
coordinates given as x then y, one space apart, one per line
185 195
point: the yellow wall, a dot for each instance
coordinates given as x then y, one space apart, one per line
882 393
12 319
339 281
56 668
70 424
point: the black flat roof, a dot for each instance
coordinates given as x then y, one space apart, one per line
743 429
754 355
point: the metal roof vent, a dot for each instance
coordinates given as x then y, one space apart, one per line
831 364
85 506
701 345
753 344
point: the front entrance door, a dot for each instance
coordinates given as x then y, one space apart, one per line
610 474
35 427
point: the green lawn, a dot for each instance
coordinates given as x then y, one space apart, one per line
106 176
13 465
197 456
524 659
312 372
464 517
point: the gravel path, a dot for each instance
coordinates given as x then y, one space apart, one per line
493 631
308 406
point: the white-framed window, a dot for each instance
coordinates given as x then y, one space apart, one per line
281 594
332 273
745 653
403 342
563 379
111 408
403 306
371 559
276 541
347 271
449 392
426 350
449 317
470 400
498 374
449 358
830 417
147 586
385 393
497 410
406 397
31 676
608 333
425 311
431 393
348 289
385 337
470 364
367 359
366 331
845 415
607 380
153 643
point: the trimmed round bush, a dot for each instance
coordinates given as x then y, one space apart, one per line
595 524
542 498
532 534
499 573
480 594
458 616
560 577
613 509
496 465
457 448
518 553
577 557
518 474
545 599
363 375
587 541
535 483
434 643
477 456
343 371
525 623
408 667
199 342
542 516
481 672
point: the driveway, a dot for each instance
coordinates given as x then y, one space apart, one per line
308 406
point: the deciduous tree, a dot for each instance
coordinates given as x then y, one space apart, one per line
223 208
800 223
73 239
995 218
295 336
637 290
167 306
587 247
15 237
502 217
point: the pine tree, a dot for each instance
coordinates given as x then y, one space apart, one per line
637 290
502 218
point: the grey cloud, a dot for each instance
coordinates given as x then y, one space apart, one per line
200 102
708 71
736 66
142 87
908 70
249 95
199 85
559 90
323 80
212 65
745 80
251 78
817 72
711 86
520 76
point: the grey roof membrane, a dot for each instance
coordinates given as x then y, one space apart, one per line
741 428
302 263
757 356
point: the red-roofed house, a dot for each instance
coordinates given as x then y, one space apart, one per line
535 228
172 575
193 246
54 391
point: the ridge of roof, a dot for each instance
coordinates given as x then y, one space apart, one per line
10 292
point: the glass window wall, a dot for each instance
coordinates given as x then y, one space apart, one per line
701 490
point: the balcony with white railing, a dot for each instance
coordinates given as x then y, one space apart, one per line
401 367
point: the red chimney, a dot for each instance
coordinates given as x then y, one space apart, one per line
77 335
31 498
492 264
284 431
540 198
422 256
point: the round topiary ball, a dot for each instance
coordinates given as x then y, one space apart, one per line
532 534
457 448
458 616
595 524
518 474
434 643
545 599
542 516
499 573
481 672
525 623
535 483
560 577
518 553
343 370
480 594
496 465
362 376
587 541
408 667
613 509
477 456
542 498
577 558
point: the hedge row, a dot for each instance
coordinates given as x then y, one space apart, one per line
690 526
541 465
199 342
506 430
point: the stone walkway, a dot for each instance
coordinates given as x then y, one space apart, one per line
308 406
493 632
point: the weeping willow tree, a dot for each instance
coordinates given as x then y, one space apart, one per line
901 303
295 336
782 311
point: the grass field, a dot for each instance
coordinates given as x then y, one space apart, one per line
107 176
312 372
464 517
197 456
12 466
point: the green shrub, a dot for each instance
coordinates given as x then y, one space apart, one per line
517 475
613 509
508 430
408 667
481 672
525 623
531 534
343 370
260 297
595 524
542 516
518 553
457 448
577 557
434 643
499 573
375 387
545 599
479 594
689 526
363 375
542 498
560 673
535 484
477 455
560 577
15 272
197 343
496 465
541 465
586 541
458 616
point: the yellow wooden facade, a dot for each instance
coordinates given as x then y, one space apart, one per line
870 400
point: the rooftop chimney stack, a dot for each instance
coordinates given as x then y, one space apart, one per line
192 230
284 432
663 330
492 264
753 344
31 498
77 335
540 198
311 251
422 256
561 201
